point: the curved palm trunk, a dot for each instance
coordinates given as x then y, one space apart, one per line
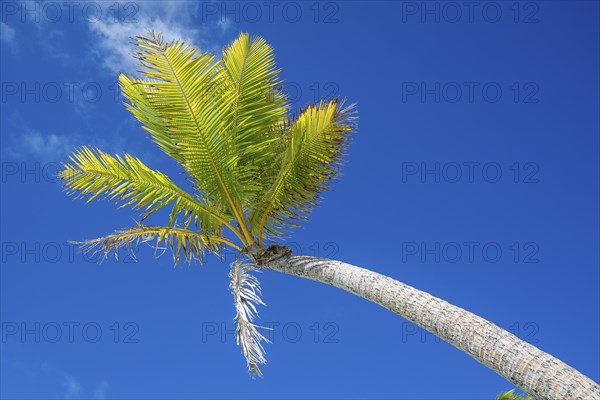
532 370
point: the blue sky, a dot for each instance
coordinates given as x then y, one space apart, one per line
473 176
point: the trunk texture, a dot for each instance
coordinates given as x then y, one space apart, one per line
532 370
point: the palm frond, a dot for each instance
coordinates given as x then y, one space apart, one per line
181 242
313 147
246 296
251 80
138 94
510 395
181 106
93 173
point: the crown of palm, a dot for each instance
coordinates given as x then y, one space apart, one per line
256 171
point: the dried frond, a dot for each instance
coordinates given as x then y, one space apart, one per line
246 296
192 245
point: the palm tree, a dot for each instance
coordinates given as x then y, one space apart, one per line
256 172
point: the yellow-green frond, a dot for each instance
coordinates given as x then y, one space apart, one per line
313 146
252 82
138 94
510 395
91 173
183 99
181 242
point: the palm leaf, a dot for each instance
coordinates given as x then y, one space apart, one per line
246 296
510 395
313 147
192 245
183 110
139 94
252 81
95 174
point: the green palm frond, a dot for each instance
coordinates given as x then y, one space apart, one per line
252 81
138 94
313 146
182 242
183 93
510 395
95 174
176 82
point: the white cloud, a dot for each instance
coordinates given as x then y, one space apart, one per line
49 146
100 392
224 25
23 142
49 35
73 388
41 147
52 42
7 34
174 19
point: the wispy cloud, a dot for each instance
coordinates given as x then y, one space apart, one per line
41 147
8 37
51 40
72 388
35 146
174 19
7 34
50 36
224 24
100 392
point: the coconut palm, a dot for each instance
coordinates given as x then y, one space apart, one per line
256 172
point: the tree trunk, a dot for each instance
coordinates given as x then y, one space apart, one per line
532 370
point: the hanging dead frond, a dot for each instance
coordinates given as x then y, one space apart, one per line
246 296
192 245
